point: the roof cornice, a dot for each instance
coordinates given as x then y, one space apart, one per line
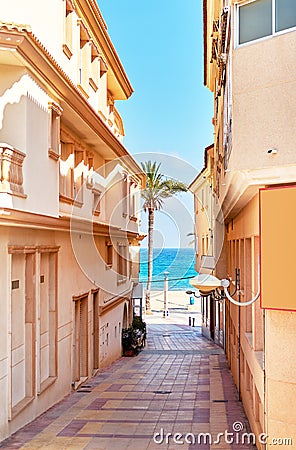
90 10
24 219
205 39
193 185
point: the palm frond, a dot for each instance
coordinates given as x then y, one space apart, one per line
157 187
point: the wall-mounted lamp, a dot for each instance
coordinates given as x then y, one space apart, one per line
206 283
210 285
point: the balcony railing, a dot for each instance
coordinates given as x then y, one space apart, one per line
11 170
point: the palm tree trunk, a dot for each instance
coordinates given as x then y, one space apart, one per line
150 257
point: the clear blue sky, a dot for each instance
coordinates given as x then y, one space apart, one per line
160 44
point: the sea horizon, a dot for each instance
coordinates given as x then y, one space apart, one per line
177 261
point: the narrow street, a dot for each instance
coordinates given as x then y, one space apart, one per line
176 390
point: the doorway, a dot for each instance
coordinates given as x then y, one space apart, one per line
81 338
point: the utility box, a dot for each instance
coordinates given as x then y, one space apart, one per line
138 300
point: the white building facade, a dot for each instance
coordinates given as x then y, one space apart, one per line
69 204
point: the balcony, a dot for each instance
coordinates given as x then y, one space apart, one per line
113 121
11 170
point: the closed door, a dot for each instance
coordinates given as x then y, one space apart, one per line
96 340
81 339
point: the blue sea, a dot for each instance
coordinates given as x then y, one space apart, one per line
179 262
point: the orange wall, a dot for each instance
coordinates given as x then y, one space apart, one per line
278 247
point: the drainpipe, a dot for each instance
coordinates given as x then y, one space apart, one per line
237 287
224 326
239 348
264 375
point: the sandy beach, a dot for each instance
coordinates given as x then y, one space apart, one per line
178 305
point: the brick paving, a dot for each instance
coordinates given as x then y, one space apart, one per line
179 383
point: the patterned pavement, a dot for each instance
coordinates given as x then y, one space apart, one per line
177 393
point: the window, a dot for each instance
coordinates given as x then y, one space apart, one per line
263 18
55 112
109 254
96 202
78 175
121 262
196 243
95 67
125 189
84 59
285 14
90 160
68 28
255 20
132 205
196 203
71 173
133 190
67 171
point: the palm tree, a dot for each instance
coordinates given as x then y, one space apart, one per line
158 188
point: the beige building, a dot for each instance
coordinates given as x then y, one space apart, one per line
201 187
69 204
249 67
208 244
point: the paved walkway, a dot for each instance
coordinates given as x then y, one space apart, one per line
179 384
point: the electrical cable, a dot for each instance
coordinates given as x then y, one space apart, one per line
169 279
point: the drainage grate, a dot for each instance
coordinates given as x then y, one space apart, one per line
166 335
162 392
83 391
220 401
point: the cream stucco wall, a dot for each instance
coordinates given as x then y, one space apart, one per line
71 283
264 96
106 83
24 99
53 247
30 14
